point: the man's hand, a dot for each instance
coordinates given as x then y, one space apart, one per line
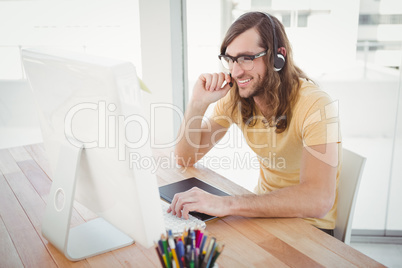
210 88
198 200
195 137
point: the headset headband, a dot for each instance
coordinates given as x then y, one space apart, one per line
279 59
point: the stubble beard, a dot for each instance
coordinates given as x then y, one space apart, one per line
256 90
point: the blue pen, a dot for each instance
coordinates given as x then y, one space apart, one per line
180 252
204 238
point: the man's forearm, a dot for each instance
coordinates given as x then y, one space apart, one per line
189 135
294 201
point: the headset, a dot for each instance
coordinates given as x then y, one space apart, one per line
279 59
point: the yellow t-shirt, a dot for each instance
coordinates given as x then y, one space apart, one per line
314 121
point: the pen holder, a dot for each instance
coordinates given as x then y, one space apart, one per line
194 249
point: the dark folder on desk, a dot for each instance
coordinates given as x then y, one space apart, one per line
167 193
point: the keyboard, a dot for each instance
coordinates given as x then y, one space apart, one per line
178 225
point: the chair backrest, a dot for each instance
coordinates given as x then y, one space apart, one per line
349 181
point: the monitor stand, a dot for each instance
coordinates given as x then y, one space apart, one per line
88 239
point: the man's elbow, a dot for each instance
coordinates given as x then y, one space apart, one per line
322 207
183 160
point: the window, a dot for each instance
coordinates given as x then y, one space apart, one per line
376 19
108 28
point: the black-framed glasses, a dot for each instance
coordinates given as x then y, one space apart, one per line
245 61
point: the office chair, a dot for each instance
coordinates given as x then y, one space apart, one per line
349 181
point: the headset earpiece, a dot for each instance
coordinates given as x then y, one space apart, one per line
279 62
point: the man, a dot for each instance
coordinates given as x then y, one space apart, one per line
283 115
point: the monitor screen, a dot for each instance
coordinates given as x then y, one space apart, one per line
89 109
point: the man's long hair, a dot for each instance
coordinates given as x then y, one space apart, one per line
280 88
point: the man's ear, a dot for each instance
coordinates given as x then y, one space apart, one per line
282 51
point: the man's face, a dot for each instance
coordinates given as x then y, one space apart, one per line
249 82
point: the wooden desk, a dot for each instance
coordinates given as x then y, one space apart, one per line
24 187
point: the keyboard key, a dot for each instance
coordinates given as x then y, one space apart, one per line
178 225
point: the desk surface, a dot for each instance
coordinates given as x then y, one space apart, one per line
24 186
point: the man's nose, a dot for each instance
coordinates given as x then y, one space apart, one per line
237 70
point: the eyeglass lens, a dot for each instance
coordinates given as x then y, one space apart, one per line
244 62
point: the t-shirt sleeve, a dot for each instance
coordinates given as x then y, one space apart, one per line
320 120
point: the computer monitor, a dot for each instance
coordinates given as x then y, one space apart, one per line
89 110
